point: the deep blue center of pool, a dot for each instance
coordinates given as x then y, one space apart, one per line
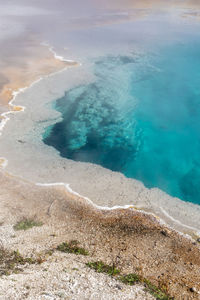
140 117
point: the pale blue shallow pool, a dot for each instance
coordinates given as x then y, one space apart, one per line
140 117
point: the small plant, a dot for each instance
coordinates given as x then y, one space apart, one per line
130 279
72 247
26 224
12 262
100 267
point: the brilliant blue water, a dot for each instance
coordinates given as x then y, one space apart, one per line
140 117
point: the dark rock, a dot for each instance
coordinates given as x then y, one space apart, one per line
192 290
118 287
163 232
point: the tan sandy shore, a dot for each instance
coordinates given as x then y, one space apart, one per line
133 241
60 276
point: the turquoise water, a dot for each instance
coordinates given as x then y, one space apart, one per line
140 117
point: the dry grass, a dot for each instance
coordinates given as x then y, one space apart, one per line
13 261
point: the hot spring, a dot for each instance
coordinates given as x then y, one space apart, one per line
140 117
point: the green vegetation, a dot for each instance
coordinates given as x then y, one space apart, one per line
72 247
130 279
26 224
159 294
12 262
100 267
